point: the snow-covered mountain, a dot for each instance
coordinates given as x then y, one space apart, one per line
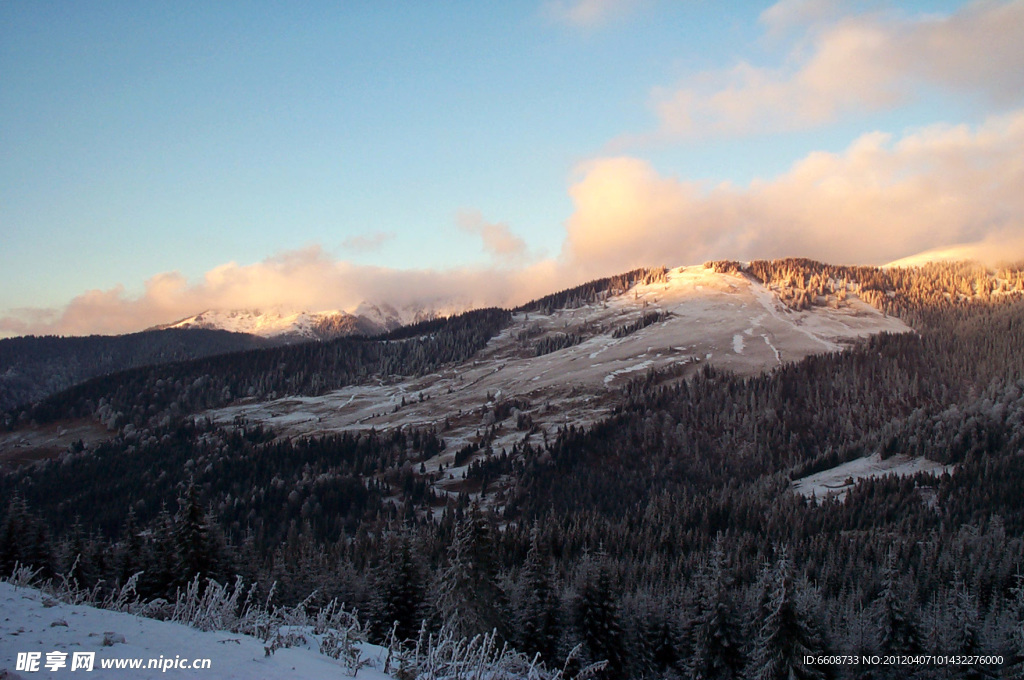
390 317
369 318
284 324
565 364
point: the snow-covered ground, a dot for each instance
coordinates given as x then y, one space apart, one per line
31 622
837 481
728 320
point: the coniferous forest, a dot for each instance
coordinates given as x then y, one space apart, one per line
666 538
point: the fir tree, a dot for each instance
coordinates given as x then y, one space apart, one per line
24 540
399 591
786 634
538 629
198 547
469 600
717 647
597 617
897 631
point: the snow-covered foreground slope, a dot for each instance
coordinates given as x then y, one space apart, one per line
837 481
31 622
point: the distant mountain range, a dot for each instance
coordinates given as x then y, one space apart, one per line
285 325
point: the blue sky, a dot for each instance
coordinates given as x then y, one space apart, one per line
162 158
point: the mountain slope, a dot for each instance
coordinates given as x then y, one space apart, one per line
539 484
563 365
32 368
284 325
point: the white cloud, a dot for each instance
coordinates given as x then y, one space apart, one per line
587 13
842 65
306 279
498 239
364 243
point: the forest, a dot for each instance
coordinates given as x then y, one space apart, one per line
666 539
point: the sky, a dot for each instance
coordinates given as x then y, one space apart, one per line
161 159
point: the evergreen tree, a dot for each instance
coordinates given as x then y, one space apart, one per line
715 633
897 631
399 591
538 606
132 556
160 576
786 634
199 550
597 617
468 599
24 540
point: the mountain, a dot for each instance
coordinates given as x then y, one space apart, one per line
573 357
367 319
678 473
284 325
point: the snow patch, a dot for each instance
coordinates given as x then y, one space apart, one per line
737 343
630 369
837 481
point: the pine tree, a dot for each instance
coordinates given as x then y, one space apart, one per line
24 540
131 556
399 591
787 633
160 575
717 647
538 629
597 617
897 631
468 598
198 547
965 627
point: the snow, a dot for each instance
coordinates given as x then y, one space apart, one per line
707 312
264 323
33 622
837 481
737 343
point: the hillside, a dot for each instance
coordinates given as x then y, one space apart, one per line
32 368
632 466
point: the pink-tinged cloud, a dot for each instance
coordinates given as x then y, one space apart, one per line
306 279
879 200
498 240
847 65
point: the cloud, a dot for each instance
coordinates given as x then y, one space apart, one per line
847 65
498 239
301 279
365 243
879 200
587 13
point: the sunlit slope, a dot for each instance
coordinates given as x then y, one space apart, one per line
695 317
